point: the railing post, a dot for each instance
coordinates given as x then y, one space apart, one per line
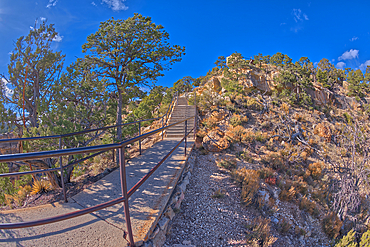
195 113
122 168
61 172
162 129
186 130
140 135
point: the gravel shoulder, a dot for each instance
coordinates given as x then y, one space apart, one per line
205 220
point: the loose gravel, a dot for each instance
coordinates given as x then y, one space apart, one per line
204 219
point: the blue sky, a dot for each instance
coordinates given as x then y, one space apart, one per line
336 30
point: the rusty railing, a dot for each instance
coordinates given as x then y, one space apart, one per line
98 149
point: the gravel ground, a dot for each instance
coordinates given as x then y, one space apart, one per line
204 220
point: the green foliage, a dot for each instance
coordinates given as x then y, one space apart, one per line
327 74
356 84
294 81
227 164
220 64
280 60
125 72
260 59
365 239
348 241
348 118
258 233
6 187
185 84
36 67
232 76
150 103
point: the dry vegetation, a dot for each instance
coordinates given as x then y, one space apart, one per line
300 168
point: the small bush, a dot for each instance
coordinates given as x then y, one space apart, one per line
6 187
210 122
365 239
315 170
308 206
250 184
284 226
331 225
40 186
236 120
246 156
265 173
259 232
253 104
288 195
323 130
227 164
348 117
285 108
236 134
348 241
259 136
274 160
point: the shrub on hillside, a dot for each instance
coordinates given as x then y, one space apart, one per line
249 180
253 104
315 170
331 225
236 120
323 130
236 134
258 233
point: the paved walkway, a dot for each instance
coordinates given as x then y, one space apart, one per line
105 227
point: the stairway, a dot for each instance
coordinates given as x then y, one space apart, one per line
181 111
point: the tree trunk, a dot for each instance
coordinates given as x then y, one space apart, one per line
68 171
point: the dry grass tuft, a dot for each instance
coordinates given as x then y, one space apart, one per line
323 130
250 184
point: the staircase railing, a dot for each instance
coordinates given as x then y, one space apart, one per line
97 150
61 166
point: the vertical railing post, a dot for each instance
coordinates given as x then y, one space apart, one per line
122 168
186 130
162 129
195 113
61 172
140 135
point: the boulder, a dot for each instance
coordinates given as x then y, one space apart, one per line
216 84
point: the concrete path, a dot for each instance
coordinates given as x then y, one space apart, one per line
105 227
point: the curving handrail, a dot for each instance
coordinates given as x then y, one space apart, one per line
85 131
99 148
93 208
81 150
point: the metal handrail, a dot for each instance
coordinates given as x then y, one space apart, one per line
74 133
99 149
93 208
81 150
125 194
84 131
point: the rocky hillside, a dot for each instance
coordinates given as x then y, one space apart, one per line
300 158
